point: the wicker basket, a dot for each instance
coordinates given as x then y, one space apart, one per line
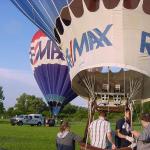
89 147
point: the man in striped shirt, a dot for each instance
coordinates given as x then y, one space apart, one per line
100 131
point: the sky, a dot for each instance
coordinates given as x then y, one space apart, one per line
16 76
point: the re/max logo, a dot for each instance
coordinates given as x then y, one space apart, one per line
90 40
145 42
50 50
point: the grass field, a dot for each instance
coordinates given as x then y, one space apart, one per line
33 138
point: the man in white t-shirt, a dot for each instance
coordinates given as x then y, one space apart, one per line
100 131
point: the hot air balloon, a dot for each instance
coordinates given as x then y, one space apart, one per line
99 34
51 72
106 28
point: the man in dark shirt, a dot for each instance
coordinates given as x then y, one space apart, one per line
123 131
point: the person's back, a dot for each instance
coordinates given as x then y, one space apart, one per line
100 131
65 139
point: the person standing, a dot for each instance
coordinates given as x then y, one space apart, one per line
123 131
143 138
100 131
65 139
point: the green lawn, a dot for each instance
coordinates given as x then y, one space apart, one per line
33 138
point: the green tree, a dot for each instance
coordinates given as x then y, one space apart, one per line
2 109
81 114
69 109
74 113
46 113
10 112
146 107
27 104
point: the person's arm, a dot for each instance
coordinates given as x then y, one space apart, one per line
128 138
135 133
120 135
144 136
109 136
118 128
77 138
56 144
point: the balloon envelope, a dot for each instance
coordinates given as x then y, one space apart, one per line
51 72
95 34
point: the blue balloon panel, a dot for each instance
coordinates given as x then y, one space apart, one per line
54 82
43 13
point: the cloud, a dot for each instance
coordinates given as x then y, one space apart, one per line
16 82
17 75
80 102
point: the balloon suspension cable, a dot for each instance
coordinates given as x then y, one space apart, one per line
124 80
108 84
91 111
134 108
89 82
135 86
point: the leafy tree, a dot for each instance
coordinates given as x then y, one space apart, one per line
81 114
27 104
69 109
74 113
46 113
10 112
2 109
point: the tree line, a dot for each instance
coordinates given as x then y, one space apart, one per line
30 104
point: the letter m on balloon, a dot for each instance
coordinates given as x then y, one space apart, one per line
145 42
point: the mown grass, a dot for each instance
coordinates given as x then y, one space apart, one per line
33 138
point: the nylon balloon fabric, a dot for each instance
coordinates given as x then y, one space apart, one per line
43 13
51 72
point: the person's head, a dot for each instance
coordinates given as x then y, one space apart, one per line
103 114
127 114
64 126
145 119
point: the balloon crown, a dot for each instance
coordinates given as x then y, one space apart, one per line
83 23
82 13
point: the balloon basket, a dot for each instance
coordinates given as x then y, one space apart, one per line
113 109
89 147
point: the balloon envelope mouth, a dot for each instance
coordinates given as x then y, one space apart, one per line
113 80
